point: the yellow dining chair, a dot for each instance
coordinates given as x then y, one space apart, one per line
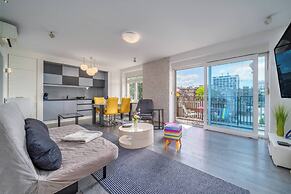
99 100
125 107
111 109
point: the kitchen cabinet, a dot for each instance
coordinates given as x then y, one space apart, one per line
84 107
52 68
84 74
99 83
70 71
100 75
72 81
70 106
85 82
52 79
51 109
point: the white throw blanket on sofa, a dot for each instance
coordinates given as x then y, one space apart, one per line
83 136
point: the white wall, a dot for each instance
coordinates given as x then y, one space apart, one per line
114 83
4 76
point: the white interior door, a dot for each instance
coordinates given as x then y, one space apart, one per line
22 81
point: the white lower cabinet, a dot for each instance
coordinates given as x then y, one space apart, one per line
51 109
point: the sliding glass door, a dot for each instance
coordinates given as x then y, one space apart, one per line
231 95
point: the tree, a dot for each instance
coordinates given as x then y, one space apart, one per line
200 92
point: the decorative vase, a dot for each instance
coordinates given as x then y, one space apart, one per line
280 128
135 122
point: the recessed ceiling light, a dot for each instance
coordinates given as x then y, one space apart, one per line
130 37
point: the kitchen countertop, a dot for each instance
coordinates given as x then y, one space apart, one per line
65 99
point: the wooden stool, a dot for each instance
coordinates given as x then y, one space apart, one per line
168 141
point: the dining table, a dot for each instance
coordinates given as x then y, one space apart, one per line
101 108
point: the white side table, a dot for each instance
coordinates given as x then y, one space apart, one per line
135 138
281 155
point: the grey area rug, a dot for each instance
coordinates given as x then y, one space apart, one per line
143 171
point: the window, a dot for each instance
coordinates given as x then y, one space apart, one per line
134 88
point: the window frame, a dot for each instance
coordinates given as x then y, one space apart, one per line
135 80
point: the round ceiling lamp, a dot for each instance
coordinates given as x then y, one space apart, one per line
91 71
83 66
130 37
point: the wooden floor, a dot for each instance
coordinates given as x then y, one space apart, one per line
242 161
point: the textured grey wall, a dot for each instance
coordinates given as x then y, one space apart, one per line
156 84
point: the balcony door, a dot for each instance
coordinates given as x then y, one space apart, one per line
232 95
190 96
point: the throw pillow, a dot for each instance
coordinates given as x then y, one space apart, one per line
43 151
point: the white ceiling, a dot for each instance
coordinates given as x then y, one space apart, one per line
93 27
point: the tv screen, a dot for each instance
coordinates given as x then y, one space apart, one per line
283 63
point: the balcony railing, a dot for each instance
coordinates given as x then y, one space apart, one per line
234 111
190 109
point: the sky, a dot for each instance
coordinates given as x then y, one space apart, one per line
195 76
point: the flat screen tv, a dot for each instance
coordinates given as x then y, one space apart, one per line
283 62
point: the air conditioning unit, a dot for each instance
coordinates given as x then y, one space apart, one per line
8 34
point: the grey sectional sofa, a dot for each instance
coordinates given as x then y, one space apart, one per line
17 172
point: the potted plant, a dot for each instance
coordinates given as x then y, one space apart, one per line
281 115
135 120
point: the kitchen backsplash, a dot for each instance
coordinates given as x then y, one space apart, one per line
71 92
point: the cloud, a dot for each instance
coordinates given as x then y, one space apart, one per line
189 80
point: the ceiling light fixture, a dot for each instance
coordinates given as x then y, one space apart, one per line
130 37
5 1
91 68
84 66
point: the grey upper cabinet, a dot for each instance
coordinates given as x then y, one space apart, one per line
84 74
99 83
85 82
100 75
52 79
70 71
52 68
70 81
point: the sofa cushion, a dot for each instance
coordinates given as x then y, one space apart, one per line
37 124
43 151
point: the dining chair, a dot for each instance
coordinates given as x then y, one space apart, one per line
145 109
99 100
124 107
111 109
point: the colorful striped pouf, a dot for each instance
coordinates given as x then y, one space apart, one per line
172 132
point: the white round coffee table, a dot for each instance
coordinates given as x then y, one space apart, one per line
135 138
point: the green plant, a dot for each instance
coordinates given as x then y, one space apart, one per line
200 92
281 115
